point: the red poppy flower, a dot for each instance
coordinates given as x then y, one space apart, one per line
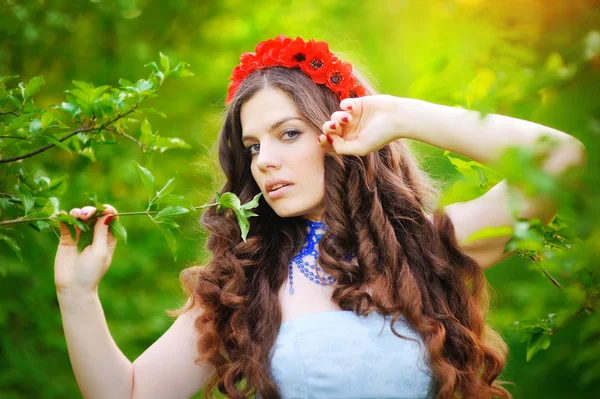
338 76
355 92
318 60
268 50
314 58
293 53
250 63
238 74
233 86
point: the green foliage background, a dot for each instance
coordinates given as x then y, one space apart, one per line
531 59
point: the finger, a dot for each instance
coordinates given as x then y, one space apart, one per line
352 105
343 147
65 234
103 238
110 209
86 212
75 213
325 144
341 117
331 127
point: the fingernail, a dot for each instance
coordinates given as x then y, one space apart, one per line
345 119
108 219
332 125
82 212
349 106
329 139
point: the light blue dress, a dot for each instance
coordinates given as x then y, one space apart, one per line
338 354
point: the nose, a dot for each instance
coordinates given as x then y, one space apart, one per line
267 158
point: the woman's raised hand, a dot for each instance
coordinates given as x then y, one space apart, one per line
364 125
82 272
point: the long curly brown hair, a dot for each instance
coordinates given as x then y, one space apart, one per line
382 207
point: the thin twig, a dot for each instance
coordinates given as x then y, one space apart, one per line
140 144
10 112
25 220
15 137
547 274
583 308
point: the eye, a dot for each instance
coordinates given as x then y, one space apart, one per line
294 133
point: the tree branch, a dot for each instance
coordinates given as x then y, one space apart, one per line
10 112
42 149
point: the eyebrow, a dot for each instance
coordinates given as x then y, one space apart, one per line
273 126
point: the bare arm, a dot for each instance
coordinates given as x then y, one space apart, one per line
165 370
101 369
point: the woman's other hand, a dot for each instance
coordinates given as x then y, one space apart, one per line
365 124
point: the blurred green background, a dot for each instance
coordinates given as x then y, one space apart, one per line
532 59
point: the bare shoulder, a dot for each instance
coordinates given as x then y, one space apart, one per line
168 369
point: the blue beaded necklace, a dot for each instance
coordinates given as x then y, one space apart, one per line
306 259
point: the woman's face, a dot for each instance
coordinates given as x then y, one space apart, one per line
283 146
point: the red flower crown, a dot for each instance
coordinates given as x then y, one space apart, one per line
314 58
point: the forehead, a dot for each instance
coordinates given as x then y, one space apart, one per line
265 108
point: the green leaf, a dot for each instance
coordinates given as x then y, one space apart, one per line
171 211
88 152
167 189
243 223
13 245
118 230
167 143
97 92
147 179
490 232
229 200
85 239
35 126
6 202
84 86
68 108
167 222
32 87
124 82
57 143
26 197
51 207
152 65
4 79
146 130
18 123
171 241
47 119
537 342
181 71
143 85
253 203
70 222
164 62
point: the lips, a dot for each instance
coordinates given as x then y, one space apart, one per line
280 192
278 188
274 182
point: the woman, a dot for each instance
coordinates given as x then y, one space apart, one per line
351 282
